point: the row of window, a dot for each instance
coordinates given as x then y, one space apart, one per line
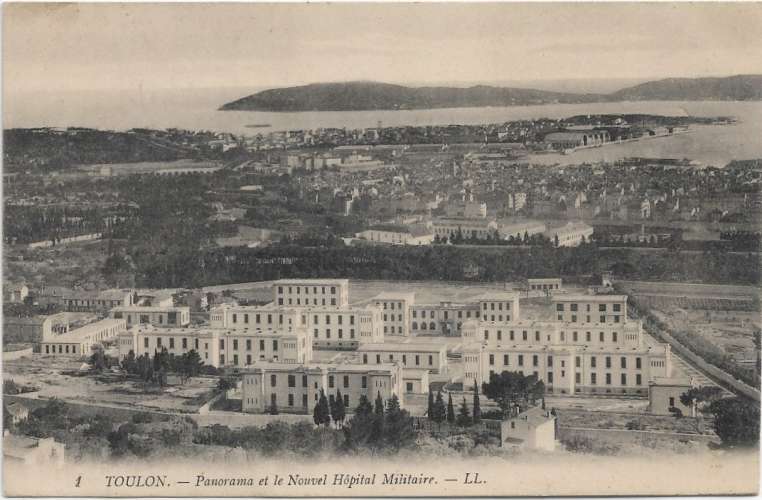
306 301
307 290
499 306
340 333
573 307
601 319
432 314
404 359
577 361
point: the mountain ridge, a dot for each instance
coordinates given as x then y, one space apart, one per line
369 95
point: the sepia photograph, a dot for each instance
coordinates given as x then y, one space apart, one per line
381 249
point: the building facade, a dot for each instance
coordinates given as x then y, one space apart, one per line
79 342
429 356
170 316
297 388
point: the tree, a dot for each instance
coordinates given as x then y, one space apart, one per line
98 360
398 426
190 365
703 396
512 389
477 404
322 415
430 410
464 418
338 412
129 364
555 241
736 421
440 412
450 410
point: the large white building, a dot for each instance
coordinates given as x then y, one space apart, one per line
398 235
395 311
570 235
580 308
221 347
153 315
342 328
481 228
79 342
311 292
429 356
296 388
602 353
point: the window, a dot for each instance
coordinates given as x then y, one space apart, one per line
365 359
171 342
592 362
577 361
577 378
623 362
613 336
364 382
608 361
524 335
559 307
573 307
431 360
617 307
248 344
222 343
292 381
235 344
417 360
521 360
275 345
637 363
535 360
378 358
346 381
273 380
550 360
491 359
330 381
261 345
593 379
638 379
624 379
601 307
145 342
550 377
671 402
505 360
185 343
608 379
486 334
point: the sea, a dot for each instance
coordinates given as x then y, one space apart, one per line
198 109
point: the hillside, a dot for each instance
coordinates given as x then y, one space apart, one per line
732 88
358 96
353 96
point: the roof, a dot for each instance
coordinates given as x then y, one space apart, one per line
535 416
81 333
589 298
465 222
325 367
149 309
497 296
402 347
410 296
312 282
673 382
415 373
544 280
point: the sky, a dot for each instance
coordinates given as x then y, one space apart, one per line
160 46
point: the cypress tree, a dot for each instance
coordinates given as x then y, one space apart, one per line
450 410
477 407
430 410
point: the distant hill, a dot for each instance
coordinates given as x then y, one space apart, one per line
358 96
355 96
731 88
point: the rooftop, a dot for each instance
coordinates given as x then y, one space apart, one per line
90 328
402 347
312 282
580 297
329 367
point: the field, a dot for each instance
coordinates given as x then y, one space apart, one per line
55 378
730 331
